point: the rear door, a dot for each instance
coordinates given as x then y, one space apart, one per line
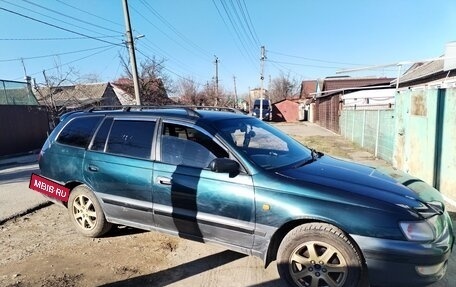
119 168
193 201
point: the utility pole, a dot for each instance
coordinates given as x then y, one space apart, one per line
216 79
131 48
235 92
28 79
52 103
263 57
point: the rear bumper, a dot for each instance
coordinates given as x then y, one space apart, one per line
396 263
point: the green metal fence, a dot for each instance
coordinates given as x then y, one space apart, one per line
16 93
373 130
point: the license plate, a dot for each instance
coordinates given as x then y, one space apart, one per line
49 188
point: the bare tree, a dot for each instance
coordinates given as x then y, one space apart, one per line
154 83
209 95
282 87
53 83
188 92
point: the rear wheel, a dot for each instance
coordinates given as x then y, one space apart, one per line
86 213
319 255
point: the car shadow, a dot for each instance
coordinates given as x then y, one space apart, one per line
181 272
272 283
121 230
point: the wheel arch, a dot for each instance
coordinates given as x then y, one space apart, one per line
71 185
277 237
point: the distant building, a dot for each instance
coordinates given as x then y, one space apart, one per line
83 96
329 101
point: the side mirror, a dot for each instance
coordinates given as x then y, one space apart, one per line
224 165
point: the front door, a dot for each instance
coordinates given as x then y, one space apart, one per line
193 201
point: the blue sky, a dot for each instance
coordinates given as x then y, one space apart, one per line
303 39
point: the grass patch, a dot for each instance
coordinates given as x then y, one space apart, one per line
332 145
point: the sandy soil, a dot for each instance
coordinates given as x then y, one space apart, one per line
43 249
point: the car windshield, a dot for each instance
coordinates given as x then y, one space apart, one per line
262 144
257 104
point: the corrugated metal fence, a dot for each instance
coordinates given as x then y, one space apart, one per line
24 129
374 130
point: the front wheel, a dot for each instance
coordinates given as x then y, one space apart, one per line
319 254
86 213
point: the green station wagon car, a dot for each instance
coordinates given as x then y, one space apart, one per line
229 178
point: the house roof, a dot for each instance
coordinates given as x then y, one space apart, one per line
422 70
125 98
308 87
73 96
336 85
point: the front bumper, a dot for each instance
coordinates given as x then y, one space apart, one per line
399 263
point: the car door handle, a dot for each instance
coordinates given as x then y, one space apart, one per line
93 168
163 180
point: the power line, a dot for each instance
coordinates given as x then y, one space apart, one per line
250 24
71 17
73 61
314 60
50 17
53 38
304 65
173 29
243 51
166 55
165 34
236 29
239 24
58 27
89 13
170 71
53 55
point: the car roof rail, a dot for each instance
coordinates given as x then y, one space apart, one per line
215 108
190 109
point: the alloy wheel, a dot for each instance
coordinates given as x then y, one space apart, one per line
84 212
318 264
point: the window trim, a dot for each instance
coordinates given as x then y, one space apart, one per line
96 133
158 141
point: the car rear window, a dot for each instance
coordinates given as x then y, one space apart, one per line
79 131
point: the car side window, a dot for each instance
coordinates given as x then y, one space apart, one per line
131 138
99 141
78 132
181 145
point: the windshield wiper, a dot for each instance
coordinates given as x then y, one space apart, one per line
314 155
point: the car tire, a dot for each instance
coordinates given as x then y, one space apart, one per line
319 254
86 213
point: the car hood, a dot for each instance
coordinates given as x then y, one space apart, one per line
385 184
